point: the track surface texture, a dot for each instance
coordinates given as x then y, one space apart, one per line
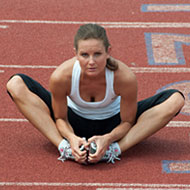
151 37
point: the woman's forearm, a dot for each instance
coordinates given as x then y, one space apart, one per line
119 132
65 129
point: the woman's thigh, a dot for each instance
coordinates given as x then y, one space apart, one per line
154 100
37 89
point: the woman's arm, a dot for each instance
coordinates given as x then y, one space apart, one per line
60 88
126 87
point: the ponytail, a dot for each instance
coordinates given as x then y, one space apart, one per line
112 64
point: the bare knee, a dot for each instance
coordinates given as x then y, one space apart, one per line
181 101
15 86
177 102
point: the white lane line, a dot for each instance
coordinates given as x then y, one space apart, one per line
3 26
160 69
178 124
29 66
131 188
95 185
107 24
13 120
134 69
149 25
171 124
2 71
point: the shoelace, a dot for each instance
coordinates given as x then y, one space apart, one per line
112 155
64 154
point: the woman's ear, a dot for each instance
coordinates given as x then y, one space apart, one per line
109 51
75 51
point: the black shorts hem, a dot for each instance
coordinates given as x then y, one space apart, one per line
155 100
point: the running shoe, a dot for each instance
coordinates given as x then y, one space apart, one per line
112 153
65 151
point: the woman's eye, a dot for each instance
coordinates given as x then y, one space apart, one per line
98 54
84 55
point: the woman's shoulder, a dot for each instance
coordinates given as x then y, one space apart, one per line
62 77
124 77
64 70
123 71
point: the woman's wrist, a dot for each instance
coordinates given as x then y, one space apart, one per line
109 138
70 136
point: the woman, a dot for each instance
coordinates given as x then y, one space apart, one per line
92 112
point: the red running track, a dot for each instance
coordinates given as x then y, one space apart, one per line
26 46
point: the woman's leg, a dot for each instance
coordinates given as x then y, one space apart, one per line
152 120
34 109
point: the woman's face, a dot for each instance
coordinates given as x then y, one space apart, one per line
92 56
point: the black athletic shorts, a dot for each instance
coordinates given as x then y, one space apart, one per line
86 127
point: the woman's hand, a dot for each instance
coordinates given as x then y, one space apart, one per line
79 154
102 143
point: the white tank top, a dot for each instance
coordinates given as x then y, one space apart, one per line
103 109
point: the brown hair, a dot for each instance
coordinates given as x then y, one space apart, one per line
95 31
